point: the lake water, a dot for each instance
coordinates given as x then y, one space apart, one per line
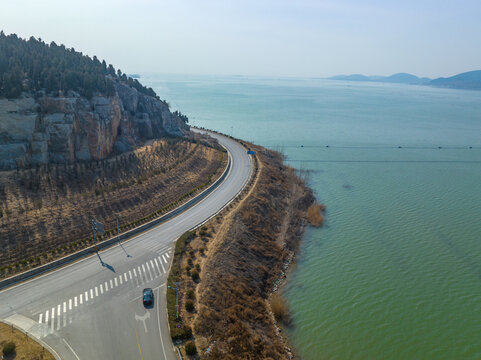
396 271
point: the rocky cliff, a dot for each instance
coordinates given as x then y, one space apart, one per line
44 129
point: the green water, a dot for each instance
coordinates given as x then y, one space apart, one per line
396 271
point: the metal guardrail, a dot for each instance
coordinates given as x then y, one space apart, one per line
124 236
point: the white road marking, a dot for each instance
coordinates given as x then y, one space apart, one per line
130 275
70 304
91 293
143 318
59 308
135 273
140 274
111 284
120 279
115 281
164 258
167 254
73 352
64 306
158 322
40 318
96 291
106 286
86 296
153 267
101 289
148 268
125 276
158 267
163 268
52 323
46 317
81 299
75 301
160 260
143 268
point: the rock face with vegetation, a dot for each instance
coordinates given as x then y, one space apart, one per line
57 106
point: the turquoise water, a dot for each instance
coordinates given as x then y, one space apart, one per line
396 271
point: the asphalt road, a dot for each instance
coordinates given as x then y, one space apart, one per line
92 309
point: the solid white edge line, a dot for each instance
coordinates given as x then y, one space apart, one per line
158 321
70 348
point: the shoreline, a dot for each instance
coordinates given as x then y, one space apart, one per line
234 262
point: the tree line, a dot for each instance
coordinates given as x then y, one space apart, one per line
36 67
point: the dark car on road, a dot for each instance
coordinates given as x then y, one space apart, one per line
148 298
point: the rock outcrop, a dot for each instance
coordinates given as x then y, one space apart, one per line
39 130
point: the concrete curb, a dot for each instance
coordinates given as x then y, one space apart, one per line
124 236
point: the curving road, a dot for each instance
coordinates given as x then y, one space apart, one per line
92 309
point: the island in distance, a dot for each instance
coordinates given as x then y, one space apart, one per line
470 80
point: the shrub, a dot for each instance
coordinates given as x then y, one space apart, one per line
314 215
186 332
280 309
190 294
9 349
189 306
190 348
195 275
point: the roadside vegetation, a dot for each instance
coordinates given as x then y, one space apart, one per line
45 211
16 345
228 268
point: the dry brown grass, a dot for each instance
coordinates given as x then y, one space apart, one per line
26 348
314 215
241 260
45 212
280 309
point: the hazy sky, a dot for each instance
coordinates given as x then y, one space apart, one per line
261 37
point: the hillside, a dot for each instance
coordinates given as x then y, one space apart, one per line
58 105
45 212
469 80
400 78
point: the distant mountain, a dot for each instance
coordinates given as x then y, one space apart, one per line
401 78
470 80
